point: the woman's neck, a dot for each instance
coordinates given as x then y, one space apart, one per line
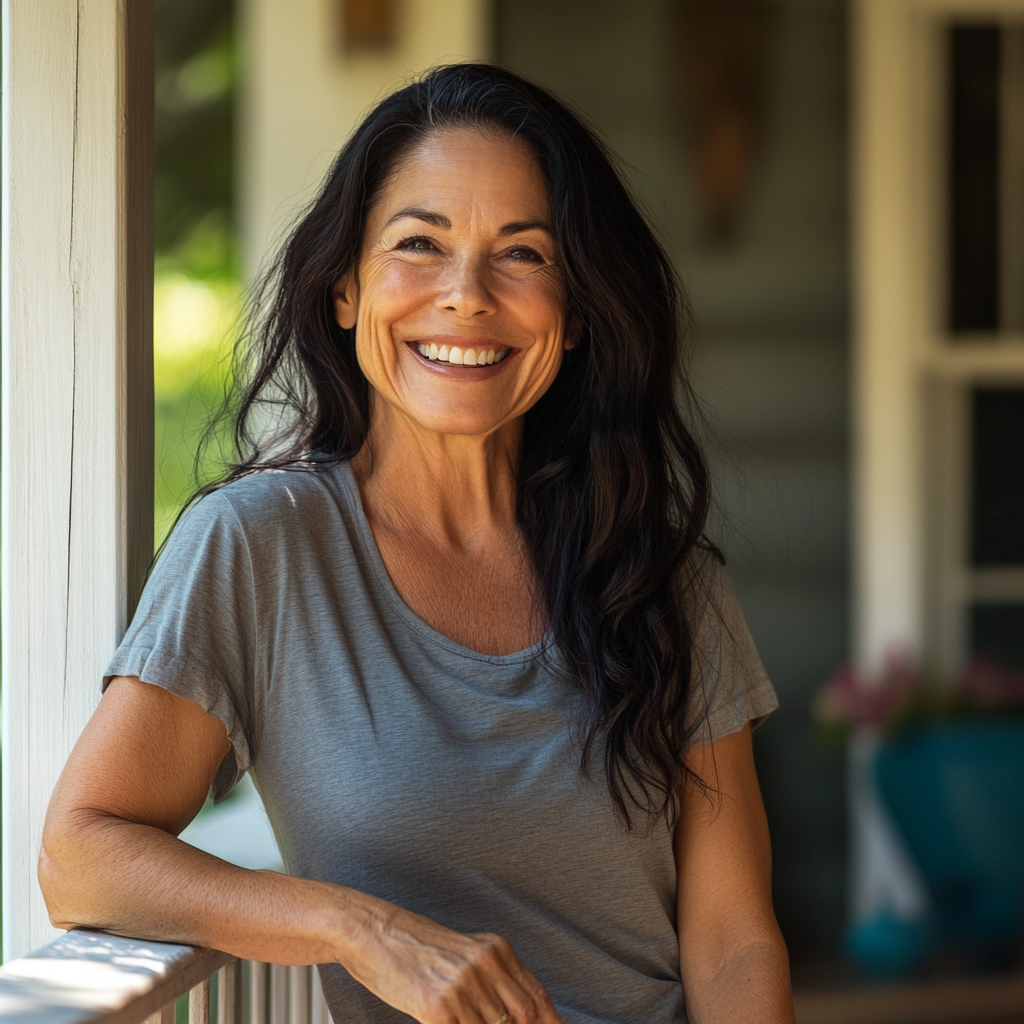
455 489
442 510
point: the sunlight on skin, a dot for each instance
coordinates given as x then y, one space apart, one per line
457 251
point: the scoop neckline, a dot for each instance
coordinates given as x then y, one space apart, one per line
386 588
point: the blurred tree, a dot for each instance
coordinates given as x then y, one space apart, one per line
194 165
197 295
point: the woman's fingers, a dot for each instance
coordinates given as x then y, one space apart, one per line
546 1013
490 987
524 1005
535 1006
522 996
440 976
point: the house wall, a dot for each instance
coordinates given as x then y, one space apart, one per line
302 94
770 363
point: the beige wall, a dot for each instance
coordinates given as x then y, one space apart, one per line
302 94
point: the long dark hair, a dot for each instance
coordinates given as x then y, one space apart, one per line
613 489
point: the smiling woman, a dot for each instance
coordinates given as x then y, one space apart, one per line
458 282
466 564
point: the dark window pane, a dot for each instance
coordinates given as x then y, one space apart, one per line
974 158
997 491
997 632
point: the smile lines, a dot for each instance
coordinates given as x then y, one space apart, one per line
461 357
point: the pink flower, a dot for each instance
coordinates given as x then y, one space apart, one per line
987 684
851 698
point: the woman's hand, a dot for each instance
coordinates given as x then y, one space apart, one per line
439 976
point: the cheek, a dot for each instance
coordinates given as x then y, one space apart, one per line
542 306
545 372
544 319
400 283
392 294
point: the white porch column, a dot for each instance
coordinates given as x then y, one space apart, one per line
904 362
888 305
302 93
77 448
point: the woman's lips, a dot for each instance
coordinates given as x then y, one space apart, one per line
469 360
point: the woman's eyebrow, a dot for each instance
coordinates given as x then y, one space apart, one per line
524 225
437 220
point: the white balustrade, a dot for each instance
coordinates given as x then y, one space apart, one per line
88 977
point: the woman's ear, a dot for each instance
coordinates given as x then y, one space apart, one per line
572 333
346 301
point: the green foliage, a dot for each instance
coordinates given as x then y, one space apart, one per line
195 324
196 74
197 296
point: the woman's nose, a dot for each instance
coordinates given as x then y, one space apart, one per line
465 290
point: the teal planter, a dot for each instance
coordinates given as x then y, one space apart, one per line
887 948
956 791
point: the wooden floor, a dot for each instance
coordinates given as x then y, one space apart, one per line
994 1000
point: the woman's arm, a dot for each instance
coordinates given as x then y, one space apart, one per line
733 959
110 859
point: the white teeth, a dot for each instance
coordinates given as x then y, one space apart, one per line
461 357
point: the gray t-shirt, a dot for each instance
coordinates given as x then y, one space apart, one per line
393 760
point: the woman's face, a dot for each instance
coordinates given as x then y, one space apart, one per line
458 301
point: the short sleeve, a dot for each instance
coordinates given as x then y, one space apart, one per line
729 684
194 632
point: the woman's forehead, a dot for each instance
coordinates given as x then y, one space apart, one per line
464 170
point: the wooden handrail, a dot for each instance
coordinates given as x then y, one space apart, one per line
93 978
996 998
89 976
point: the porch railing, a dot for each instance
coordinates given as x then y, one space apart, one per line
92 978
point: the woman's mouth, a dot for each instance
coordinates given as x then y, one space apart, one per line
458 356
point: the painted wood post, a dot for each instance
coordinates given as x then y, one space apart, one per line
77 398
888 515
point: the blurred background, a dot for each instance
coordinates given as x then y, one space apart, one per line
859 292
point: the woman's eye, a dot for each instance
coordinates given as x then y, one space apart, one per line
522 254
416 244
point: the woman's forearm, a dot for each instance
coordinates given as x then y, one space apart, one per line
751 988
132 879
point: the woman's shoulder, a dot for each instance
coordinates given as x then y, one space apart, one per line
268 496
267 518
702 578
712 608
729 675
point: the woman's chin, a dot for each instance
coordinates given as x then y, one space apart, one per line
460 422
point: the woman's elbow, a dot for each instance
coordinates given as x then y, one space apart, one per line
68 868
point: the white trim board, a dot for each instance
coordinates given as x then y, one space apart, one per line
898 246
77 428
